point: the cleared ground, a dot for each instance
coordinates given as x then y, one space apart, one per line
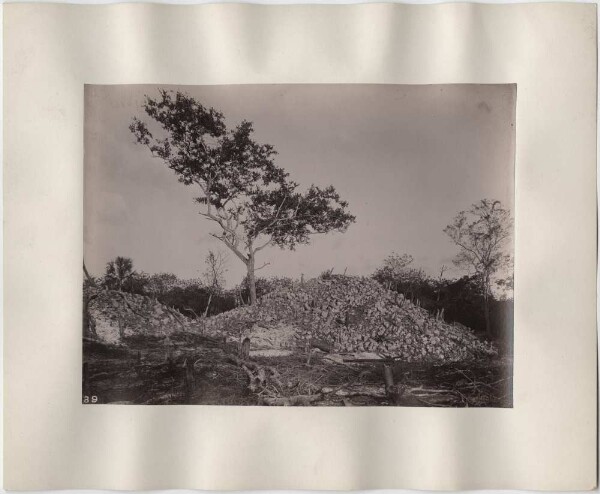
189 368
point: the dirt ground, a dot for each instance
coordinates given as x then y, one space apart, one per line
192 369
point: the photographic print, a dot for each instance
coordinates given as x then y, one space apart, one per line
299 245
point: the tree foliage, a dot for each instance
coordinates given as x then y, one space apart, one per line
397 274
118 273
160 283
251 200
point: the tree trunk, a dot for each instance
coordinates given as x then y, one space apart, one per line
89 325
87 275
207 305
486 311
486 305
251 279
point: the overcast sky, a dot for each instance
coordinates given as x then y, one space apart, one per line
406 158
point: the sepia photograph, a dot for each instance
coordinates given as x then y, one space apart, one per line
299 245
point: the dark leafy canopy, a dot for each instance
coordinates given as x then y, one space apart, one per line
290 217
243 190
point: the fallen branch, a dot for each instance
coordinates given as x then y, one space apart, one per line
421 390
190 310
298 400
252 365
349 391
261 373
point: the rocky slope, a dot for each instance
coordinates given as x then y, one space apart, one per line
115 315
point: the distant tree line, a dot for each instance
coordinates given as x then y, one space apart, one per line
459 300
481 299
198 297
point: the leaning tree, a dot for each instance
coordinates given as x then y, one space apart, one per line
482 233
252 202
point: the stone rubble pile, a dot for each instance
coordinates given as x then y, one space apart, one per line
353 315
346 313
116 315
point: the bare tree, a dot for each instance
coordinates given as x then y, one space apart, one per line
214 274
440 281
482 232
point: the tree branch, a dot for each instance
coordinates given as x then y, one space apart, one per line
263 245
231 246
468 249
263 266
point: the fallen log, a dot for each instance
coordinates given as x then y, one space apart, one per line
298 400
321 345
254 382
351 391
421 390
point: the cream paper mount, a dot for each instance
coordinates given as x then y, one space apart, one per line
546 441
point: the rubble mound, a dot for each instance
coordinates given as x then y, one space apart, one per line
115 315
351 314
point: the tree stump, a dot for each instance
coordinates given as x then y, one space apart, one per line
121 328
245 349
188 379
388 377
393 391
168 350
86 379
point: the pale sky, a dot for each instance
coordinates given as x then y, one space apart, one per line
406 158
